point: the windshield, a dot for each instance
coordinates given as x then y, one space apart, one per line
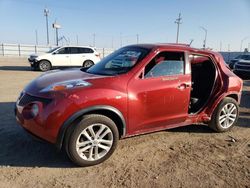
238 57
52 50
119 62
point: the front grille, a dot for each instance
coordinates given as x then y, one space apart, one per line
26 99
242 67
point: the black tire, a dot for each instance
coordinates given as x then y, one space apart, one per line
87 63
44 65
218 113
76 133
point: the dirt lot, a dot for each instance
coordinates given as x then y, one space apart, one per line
192 156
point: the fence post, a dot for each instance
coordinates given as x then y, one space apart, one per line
19 51
2 49
35 49
103 53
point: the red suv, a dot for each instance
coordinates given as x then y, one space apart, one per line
137 89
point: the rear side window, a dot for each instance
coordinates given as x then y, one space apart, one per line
165 64
85 50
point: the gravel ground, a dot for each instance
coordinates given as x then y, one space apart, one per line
192 156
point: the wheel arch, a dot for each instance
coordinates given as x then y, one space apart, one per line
108 111
233 95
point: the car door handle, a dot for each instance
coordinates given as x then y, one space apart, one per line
66 56
182 86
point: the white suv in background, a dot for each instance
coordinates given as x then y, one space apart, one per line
65 56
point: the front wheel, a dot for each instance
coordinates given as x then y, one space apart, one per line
44 65
225 115
92 141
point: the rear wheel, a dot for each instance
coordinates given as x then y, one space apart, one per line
92 140
44 65
225 115
88 63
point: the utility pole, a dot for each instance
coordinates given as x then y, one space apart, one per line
178 22
77 40
46 14
241 42
112 44
121 39
220 46
36 38
137 38
205 39
228 49
94 39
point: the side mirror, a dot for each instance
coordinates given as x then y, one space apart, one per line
54 53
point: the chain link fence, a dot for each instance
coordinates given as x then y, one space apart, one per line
24 50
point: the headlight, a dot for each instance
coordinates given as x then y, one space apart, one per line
234 66
66 85
34 110
33 57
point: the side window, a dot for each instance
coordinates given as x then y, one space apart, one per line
63 51
74 50
165 64
85 50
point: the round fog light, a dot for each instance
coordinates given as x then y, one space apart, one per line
34 110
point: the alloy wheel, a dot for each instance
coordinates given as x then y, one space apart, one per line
94 142
228 115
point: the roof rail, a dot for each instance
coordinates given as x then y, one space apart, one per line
176 44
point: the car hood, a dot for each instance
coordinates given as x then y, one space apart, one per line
57 76
37 54
244 61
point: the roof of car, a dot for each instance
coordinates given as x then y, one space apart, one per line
181 47
165 45
79 46
176 46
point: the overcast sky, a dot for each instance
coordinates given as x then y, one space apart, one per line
227 21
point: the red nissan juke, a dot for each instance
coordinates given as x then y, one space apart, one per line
137 89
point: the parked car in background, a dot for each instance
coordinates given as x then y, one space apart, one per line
65 56
137 89
242 67
238 58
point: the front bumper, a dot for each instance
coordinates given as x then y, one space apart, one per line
34 126
53 112
242 67
33 62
